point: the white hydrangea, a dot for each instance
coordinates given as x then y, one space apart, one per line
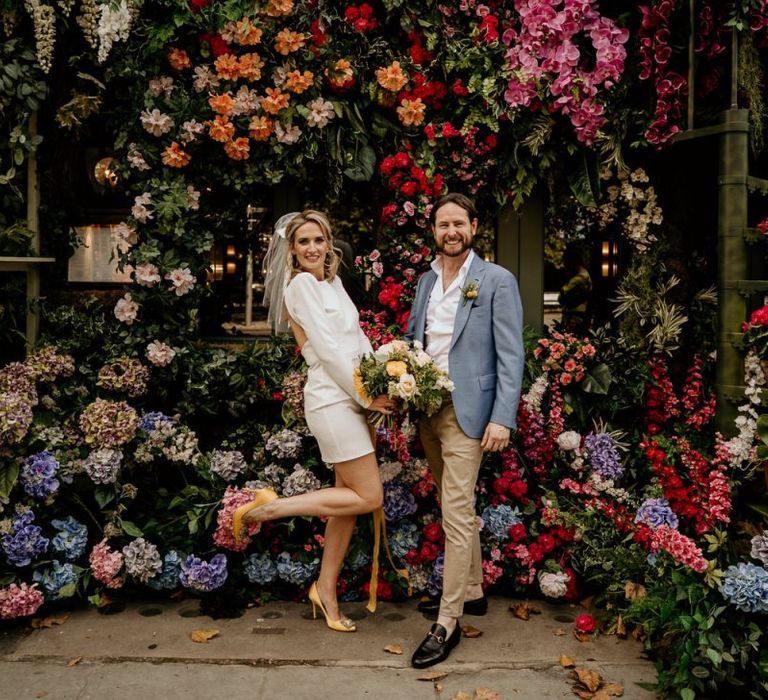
553 585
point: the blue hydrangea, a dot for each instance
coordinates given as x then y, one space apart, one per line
435 582
398 501
403 537
38 475
203 576
358 560
498 519
746 587
71 538
58 581
152 421
260 569
655 512
294 571
603 455
25 541
169 576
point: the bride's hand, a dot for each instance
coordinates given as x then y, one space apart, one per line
383 404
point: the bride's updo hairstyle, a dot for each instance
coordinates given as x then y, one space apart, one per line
316 217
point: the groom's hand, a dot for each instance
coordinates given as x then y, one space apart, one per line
496 438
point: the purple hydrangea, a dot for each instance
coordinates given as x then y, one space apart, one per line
746 587
399 502
71 538
25 541
603 455
152 421
58 580
655 512
203 576
260 569
38 475
498 519
169 576
435 582
295 572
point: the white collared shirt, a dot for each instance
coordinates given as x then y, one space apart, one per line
441 311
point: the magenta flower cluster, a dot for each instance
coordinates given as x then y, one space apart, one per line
545 56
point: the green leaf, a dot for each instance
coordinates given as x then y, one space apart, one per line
762 428
104 495
714 656
363 165
9 474
598 380
687 694
131 529
584 180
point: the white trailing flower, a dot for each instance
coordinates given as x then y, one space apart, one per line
44 20
126 310
193 198
205 79
114 25
123 237
320 113
740 447
135 159
139 210
156 122
162 85
287 134
190 130
533 398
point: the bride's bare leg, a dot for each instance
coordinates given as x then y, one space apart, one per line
362 493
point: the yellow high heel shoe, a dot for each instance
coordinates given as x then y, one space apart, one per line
260 497
343 624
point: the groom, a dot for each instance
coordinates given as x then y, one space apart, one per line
468 315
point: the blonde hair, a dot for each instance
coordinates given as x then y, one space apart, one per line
316 217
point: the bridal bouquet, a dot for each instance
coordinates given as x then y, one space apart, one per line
406 373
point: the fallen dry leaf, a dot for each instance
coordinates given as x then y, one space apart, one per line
461 695
634 591
560 632
582 637
566 661
587 602
41 694
614 690
621 627
470 632
202 636
589 679
50 621
433 676
524 611
583 694
638 633
486 694
73 662
601 695
393 649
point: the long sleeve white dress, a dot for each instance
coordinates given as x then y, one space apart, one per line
335 413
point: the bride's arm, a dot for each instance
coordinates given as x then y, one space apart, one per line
302 298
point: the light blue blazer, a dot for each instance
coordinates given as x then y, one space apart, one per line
486 356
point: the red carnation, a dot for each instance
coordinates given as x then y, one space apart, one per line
433 532
585 624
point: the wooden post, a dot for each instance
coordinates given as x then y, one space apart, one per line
33 224
520 248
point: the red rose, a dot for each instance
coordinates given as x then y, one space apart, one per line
517 532
409 188
585 624
197 5
433 532
518 488
219 47
429 551
402 160
277 395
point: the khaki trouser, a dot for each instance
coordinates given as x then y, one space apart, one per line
454 460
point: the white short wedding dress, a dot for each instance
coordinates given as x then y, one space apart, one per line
335 413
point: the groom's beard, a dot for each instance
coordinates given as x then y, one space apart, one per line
455 253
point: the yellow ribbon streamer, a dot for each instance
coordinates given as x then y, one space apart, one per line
379 535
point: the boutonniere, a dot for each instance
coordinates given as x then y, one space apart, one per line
470 291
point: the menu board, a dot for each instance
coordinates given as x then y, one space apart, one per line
95 259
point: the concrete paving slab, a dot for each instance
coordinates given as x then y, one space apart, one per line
278 651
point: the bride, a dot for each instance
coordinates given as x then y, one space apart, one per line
305 293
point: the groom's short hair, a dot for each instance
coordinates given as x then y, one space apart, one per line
454 198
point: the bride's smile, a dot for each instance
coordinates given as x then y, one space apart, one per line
310 248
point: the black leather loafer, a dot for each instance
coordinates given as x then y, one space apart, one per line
436 646
476 606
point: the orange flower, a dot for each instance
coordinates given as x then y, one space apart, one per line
223 104
260 128
239 149
247 34
221 129
275 101
392 77
175 157
411 112
250 66
340 73
287 41
179 59
279 8
227 67
298 82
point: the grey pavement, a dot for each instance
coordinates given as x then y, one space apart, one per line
278 651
